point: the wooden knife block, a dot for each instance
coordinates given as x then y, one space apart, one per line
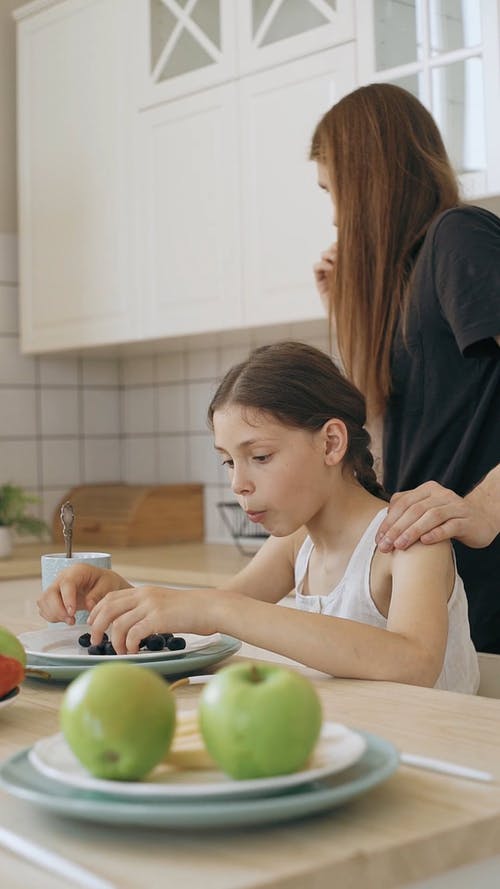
128 515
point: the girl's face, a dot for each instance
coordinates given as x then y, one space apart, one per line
324 183
277 472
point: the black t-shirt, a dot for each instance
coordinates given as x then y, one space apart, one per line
443 415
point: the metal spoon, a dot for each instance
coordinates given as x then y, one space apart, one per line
67 519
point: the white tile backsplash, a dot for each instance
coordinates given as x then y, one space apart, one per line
18 411
101 412
229 356
140 460
8 309
59 412
203 461
140 415
172 459
61 466
171 367
101 460
65 420
199 397
137 371
58 371
15 368
172 408
201 365
19 462
100 372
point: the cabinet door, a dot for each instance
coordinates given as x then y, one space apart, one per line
190 222
75 167
183 46
446 54
274 31
287 218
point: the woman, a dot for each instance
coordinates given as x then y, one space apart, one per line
413 287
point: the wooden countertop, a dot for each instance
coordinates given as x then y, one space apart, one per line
415 825
190 564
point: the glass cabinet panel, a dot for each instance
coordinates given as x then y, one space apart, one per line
397 41
275 20
458 108
446 53
185 35
453 24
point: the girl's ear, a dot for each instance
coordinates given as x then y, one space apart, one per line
336 440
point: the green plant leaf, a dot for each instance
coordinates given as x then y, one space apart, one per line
14 503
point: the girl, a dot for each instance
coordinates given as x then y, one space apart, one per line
414 291
290 430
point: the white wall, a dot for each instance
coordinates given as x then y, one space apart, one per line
8 212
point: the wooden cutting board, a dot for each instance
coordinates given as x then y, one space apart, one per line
128 515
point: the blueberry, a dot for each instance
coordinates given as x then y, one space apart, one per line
108 648
97 649
84 640
177 643
105 637
155 642
167 637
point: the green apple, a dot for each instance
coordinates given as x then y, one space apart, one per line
259 720
10 646
119 720
12 662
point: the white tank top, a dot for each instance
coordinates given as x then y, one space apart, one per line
352 599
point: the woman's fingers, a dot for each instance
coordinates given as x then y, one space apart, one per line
432 513
414 513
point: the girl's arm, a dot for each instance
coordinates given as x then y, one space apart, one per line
410 650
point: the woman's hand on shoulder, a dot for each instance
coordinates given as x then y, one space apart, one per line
323 271
80 586
431 513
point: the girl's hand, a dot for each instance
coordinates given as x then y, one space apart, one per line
137 612
78 587
323 272
431 513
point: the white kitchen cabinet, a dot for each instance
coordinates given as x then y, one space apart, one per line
271 32
447 53
191 253
195 44
286 216
76 159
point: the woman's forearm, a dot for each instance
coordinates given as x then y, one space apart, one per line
486 497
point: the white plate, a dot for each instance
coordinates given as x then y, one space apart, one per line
337 749
10 698
61 644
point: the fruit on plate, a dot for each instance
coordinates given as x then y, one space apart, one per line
119 720
188 750
259 720
12 662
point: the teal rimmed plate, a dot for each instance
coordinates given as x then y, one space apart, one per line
179 666
19 778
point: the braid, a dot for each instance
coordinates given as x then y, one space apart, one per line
360 459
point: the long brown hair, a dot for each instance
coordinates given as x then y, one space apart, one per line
390 176
301 387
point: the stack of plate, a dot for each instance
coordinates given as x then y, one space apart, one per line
54 653
345 764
